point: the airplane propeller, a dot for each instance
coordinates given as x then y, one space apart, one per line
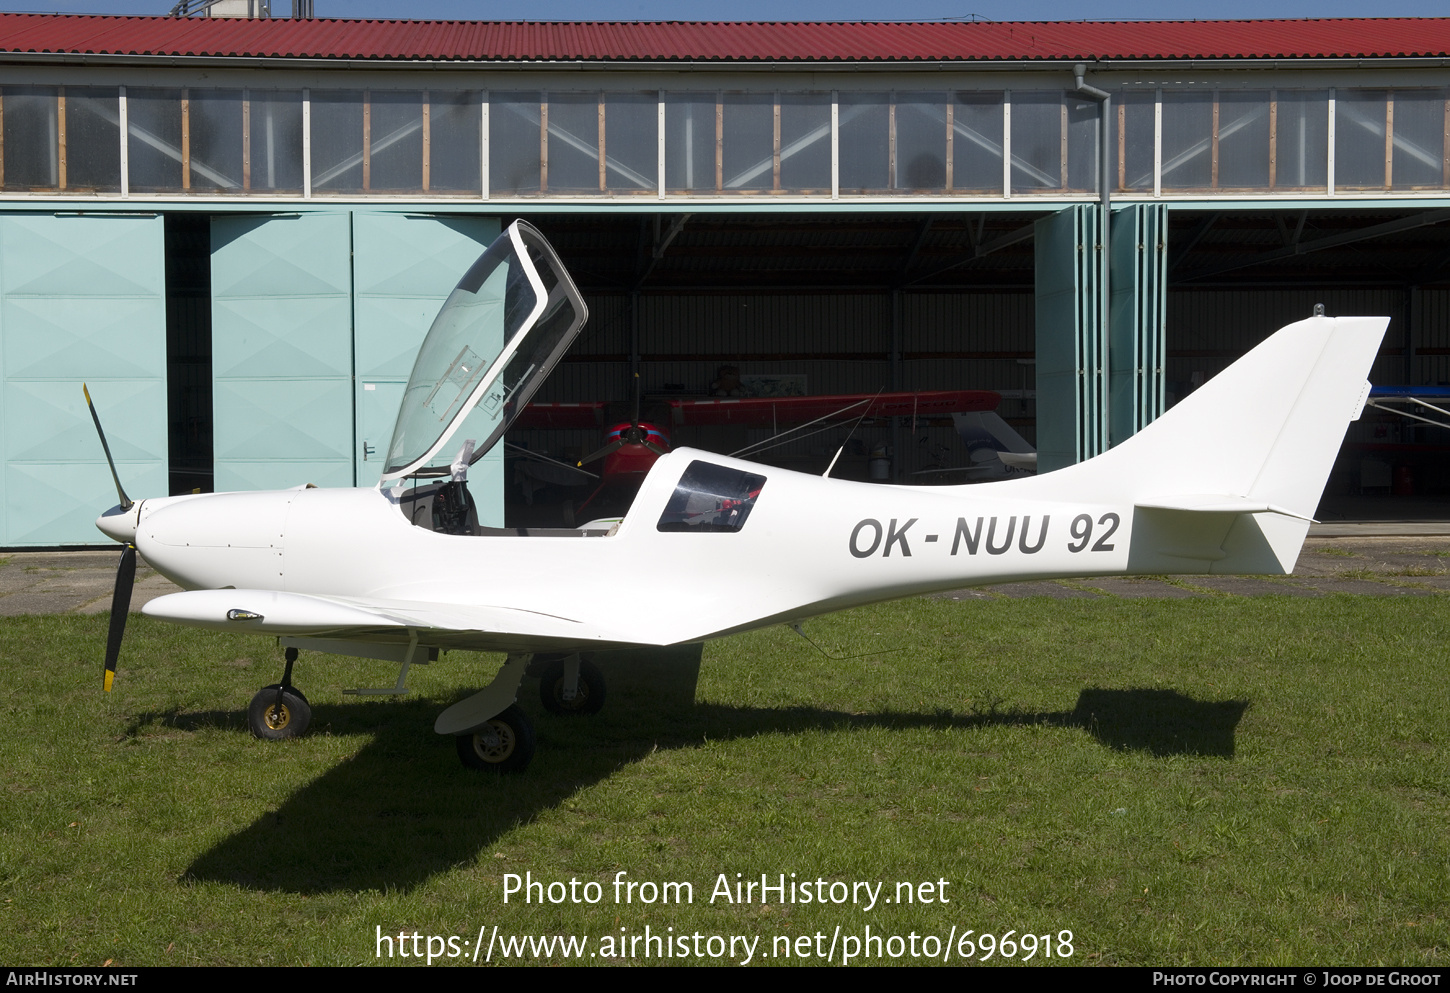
125 571
126 502
120 609
635 434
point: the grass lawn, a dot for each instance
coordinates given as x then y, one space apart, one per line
1212 781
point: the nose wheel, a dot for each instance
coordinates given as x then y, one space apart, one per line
280 711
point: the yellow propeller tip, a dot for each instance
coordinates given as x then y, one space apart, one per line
109 677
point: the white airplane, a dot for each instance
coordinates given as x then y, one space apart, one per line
1225 482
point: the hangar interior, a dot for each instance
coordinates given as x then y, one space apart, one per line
238 234
902 301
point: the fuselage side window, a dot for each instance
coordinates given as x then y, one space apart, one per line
711 499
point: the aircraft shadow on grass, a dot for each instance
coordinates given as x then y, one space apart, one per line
400 810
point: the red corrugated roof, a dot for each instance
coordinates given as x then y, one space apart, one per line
743 41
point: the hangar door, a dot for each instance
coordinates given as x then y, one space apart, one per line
316 318
1098 386
404 267
82 299
1071 344
282 350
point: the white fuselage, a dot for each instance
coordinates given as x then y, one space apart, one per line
809 545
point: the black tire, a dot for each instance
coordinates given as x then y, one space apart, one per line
505 744
588 698
274 722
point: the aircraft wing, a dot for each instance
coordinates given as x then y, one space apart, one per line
470 626
771 411
562 415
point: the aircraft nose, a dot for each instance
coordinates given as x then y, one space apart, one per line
120 524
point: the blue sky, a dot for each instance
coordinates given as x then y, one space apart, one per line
801 10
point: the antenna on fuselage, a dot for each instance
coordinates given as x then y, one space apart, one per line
827 473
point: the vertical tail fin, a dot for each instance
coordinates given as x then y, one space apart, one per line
1234 472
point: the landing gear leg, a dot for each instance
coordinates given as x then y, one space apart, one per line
572 685
280 710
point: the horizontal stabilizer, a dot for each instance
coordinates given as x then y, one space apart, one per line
1216 503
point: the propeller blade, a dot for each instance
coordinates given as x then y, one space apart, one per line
613 446
125 500
120 607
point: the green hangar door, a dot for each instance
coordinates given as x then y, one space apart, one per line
282 350
316 319
1099 383
82 299
404 267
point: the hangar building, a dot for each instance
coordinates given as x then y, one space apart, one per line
237 231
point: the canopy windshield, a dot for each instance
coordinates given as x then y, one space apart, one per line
498 336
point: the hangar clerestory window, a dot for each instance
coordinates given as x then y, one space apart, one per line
759 138
711 499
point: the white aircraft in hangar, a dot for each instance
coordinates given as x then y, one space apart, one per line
1225 482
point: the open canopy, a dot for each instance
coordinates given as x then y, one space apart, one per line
499 334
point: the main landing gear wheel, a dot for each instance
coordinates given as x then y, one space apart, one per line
279 712
504 744
588 696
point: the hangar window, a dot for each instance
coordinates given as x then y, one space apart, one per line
395 141
1416 123
572 143
216 139
602 143
865 142
451 154
61 138
216 146
1054 142
337 140
514 145
1299 140
1203 136
213 140
974 143
805 143
748 142
711 499
1187 139
748 128
690 142
91 137
155 144
631 146
185 139
569 143
31 137
1242 132
1135 130
919 139
1390 139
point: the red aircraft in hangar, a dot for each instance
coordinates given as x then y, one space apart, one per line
632 446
